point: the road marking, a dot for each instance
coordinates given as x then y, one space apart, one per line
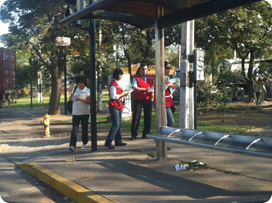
65 186
1 200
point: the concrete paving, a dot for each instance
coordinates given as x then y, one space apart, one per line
131 173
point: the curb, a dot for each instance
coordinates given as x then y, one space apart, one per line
65 186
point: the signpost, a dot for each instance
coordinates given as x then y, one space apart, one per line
39 74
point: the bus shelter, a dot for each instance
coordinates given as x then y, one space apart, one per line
146 14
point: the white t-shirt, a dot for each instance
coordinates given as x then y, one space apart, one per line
80 107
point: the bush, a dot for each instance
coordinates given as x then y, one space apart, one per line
22 93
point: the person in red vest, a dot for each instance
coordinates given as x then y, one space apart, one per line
115 106
169 88
143 85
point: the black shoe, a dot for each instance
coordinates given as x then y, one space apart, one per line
133 138
109 146
144 136
121 144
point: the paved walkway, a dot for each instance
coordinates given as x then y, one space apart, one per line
130 173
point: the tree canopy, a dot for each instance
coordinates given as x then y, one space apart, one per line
247 30
33 27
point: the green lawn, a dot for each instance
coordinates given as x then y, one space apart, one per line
26 102
203 126
102 118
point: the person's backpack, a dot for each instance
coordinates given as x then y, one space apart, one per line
69 105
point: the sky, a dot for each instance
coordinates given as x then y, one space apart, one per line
269 1
3 27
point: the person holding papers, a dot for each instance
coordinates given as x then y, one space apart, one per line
169 89
143 85
116 106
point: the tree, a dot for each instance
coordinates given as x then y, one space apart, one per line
245 29
137 45
34 25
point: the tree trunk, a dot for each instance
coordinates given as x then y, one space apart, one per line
146 48
129 61
56 86
249 76
129 65
250 91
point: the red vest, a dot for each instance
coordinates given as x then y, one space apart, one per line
116 103
168 100
141 83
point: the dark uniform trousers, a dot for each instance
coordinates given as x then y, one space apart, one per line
137 110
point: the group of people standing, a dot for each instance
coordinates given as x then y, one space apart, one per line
143 86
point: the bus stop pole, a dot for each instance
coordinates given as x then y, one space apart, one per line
159 86
65 84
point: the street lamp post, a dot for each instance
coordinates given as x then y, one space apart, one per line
64 42
30 64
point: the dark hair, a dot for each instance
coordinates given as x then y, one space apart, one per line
166 63
82 79
142 65
116 73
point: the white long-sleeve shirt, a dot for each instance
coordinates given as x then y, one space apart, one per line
113 91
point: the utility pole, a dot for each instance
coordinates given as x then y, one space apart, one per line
187 77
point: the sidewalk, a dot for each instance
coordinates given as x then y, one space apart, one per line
130 174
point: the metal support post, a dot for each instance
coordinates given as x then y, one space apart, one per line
65 85
93 82
160 94
187 77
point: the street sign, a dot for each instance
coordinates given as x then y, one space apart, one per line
63 41
199 64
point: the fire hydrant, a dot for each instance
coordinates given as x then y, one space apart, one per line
46 122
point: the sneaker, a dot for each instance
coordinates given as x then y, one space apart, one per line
84 146
72 149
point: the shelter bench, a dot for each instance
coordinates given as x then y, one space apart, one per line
213 140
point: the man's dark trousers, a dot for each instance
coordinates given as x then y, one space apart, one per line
137 109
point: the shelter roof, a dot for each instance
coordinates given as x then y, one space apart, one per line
144 13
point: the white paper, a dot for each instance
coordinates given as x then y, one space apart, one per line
129 91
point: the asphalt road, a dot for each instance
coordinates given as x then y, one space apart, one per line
17 185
